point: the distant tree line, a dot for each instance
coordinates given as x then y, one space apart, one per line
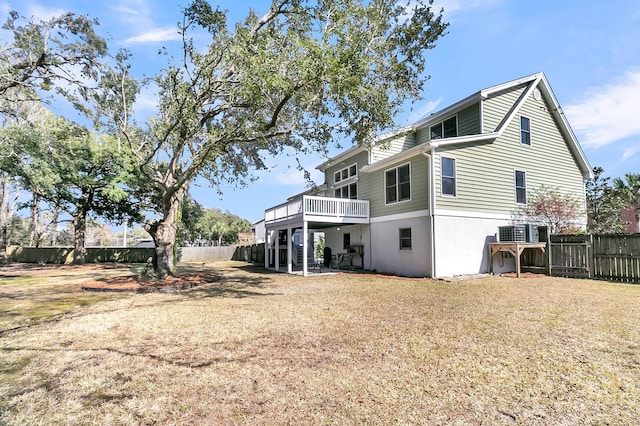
606 200
294 79
201 226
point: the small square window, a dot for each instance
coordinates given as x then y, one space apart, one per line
336 177
353 170
405 238
445 129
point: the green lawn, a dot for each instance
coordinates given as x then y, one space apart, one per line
263 348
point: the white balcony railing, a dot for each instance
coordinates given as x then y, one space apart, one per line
336 210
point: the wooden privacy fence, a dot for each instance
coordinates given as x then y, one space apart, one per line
603 257
252 253
63 255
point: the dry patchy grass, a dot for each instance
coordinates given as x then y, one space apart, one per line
31 293
262 348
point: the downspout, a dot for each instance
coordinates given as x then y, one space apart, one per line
432 204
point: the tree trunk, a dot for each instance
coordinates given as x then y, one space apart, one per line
164 233
79 230
5 214
34 238
54 226
164 238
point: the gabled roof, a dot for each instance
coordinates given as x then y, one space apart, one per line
533 81
342 156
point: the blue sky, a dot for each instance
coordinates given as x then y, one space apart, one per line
589 50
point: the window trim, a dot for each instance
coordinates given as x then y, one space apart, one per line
347 185
516 187
346 236
523 132
405 239
454 177
338 174
386 202
441 124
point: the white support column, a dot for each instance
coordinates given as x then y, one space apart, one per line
277 253
267 242
305 247
289 251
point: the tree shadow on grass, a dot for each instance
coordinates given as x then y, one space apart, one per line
237 282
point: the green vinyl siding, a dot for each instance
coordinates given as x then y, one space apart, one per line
372 188
498 105
469 120
360 159
391 147
485 171
468 124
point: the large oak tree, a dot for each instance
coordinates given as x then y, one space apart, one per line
74 170
42 59
297 77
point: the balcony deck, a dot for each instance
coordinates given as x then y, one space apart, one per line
318 210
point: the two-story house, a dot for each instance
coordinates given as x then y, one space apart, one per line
425 200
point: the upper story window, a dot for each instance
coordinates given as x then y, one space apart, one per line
448 176
521 187
397 183
525 131
345 173
445 129
346 191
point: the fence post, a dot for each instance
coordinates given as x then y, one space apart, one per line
591 257
549 258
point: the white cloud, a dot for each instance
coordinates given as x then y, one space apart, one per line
154 36
44 13
630 152
287 173
36 11
608 113
136 13
421 112
146 104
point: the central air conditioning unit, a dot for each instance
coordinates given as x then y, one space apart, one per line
512 233
528 233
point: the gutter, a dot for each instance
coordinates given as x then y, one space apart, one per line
432 204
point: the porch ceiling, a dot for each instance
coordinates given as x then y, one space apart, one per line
311 225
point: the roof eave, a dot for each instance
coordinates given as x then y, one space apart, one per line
340 157
556 110
427 146
469 100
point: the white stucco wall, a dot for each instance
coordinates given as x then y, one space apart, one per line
461 245
358 235
386 256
